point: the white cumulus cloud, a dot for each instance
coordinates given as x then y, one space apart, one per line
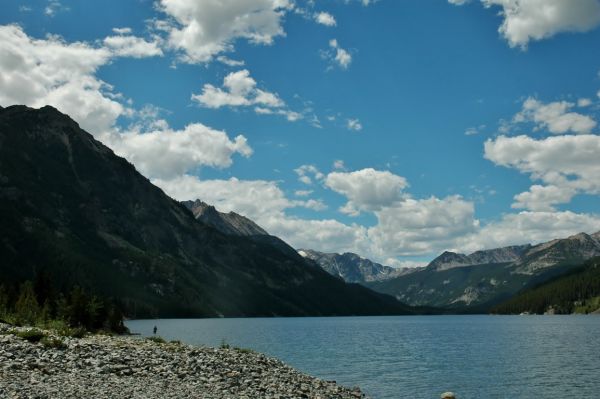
169 153
239 89
566 165
126 45
203 29
531 20
367 189
306 174
529 227
420 226
354 124
556 117
50 71
337 55
324 18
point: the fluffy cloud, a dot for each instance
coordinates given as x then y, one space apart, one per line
543 198
324 18
472 131
51 71
167 153
527 20
354 124
584 102
265 203
529 227
229 62
556 117
126 45
327 235
38 72
565 164
367 189
303 193
416 227
306 174
54 7
239 90
336 55
202 29
405 226
257 199
338 164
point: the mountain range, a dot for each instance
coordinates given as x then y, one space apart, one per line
485 278
71 208
454 281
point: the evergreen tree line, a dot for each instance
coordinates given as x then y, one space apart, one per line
37 303
578 291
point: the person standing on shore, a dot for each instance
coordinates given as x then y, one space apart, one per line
154 330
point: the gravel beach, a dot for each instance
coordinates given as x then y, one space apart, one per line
99 366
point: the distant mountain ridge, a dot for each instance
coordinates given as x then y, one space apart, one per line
576 248
485 278
353 268
449 260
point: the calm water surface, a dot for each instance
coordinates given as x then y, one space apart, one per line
420 356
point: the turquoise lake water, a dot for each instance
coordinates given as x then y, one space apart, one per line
420 356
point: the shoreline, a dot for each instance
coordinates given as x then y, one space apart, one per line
103 366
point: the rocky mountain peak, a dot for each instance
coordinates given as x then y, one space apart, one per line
229 223
448 260
573 249
352 267
200 208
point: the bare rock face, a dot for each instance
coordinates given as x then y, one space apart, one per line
227 223
574 249
450 260
353 268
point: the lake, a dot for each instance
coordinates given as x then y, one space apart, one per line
419 356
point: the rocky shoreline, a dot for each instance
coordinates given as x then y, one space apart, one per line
101 366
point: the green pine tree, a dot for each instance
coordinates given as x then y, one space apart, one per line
27 308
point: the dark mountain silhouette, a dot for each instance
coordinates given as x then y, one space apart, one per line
71 207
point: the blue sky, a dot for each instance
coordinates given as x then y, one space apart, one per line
394 129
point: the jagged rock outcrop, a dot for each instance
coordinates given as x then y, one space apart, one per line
353 268
227 223
449 260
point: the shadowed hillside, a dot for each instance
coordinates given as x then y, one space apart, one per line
71 207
